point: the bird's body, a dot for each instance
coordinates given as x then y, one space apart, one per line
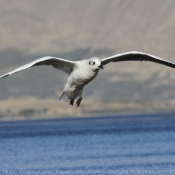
84 71
78 78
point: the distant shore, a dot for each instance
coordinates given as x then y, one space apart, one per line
85 115
33 108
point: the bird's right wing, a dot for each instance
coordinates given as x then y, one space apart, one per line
58 63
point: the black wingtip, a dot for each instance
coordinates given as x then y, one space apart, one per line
4 76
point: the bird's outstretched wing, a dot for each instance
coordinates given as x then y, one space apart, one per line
58 63
136 56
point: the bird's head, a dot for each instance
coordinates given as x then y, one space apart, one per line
95 64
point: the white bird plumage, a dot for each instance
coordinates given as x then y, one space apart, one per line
84 71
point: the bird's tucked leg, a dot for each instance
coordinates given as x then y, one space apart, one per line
72 102
79 101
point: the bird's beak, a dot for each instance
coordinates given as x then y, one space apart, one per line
101 67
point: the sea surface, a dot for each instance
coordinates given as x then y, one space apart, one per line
135 144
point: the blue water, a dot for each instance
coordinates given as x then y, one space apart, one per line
138 144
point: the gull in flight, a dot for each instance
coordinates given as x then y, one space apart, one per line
84 71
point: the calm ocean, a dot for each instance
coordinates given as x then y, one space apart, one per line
136 144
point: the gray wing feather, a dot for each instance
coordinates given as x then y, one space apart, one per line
137 56
58 63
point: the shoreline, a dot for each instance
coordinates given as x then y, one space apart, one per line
39 109
86 115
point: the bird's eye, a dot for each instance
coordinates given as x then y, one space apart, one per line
93 63
89 63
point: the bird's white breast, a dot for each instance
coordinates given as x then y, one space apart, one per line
82 75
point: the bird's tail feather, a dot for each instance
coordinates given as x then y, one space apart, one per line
64 97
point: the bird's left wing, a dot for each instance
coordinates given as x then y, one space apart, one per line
58 63
136 56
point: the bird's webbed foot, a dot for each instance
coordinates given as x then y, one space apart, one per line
79 101
72 102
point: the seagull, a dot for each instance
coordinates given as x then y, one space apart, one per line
84 71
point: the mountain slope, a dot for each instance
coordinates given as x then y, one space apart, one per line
80 29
